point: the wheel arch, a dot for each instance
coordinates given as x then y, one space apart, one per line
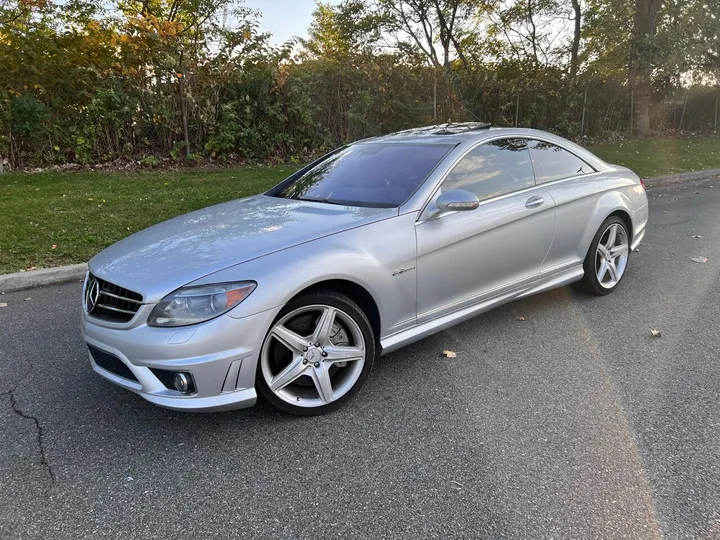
625 216
610 203
357 293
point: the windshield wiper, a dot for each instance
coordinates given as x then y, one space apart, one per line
322 200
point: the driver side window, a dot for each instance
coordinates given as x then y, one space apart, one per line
493 169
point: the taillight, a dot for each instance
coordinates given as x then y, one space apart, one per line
642 184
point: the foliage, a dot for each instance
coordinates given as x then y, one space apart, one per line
90 81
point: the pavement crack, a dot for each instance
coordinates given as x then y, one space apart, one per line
38 430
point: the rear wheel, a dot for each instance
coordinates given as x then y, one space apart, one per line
607 257
317 354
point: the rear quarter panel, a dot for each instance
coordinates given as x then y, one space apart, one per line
583 203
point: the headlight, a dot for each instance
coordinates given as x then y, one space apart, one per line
192 305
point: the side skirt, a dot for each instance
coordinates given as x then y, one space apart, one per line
416 333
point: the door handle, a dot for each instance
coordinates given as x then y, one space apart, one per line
534 202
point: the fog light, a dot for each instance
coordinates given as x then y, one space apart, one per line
182 383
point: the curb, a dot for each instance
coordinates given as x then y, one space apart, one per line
39 278
74 272
681 178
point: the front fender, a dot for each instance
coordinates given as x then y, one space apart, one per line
368 256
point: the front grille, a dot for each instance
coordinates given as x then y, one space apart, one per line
111 363
109 301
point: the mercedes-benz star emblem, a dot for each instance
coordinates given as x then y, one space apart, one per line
91 295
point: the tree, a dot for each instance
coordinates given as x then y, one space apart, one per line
536 30
341 30
642 56
429 23
182 29
577 35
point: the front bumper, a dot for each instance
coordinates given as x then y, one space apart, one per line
221 355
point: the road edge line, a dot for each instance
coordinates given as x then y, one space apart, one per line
680 178
39 278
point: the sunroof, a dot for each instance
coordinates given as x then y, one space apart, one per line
454 129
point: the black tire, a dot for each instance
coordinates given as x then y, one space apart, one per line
590 283
335 299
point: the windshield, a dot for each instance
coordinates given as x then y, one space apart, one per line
382 175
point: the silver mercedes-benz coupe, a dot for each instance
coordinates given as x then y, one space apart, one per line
293 293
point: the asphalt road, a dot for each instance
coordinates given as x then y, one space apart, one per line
574 423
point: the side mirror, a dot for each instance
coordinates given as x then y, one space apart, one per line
456 200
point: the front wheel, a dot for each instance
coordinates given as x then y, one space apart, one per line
607 257
317 354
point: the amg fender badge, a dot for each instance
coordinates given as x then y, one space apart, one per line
402 271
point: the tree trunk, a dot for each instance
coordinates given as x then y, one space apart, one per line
183 110
641 61
682 116
575 49
533 33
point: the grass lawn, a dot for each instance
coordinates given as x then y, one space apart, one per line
655 157
81 213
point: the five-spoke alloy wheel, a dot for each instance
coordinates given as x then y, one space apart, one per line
607 257
318 352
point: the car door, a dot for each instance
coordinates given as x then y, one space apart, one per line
467 256
573 185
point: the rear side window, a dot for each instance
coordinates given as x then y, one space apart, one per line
554 163
493 169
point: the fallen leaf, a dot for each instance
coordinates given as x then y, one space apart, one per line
3 304
449 354
655 333
54 246
519 318
32 268
700 259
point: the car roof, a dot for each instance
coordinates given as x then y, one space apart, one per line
464 135
450 133
456 133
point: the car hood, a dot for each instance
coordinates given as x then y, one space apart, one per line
166 256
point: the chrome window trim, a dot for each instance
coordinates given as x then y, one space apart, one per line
421 219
